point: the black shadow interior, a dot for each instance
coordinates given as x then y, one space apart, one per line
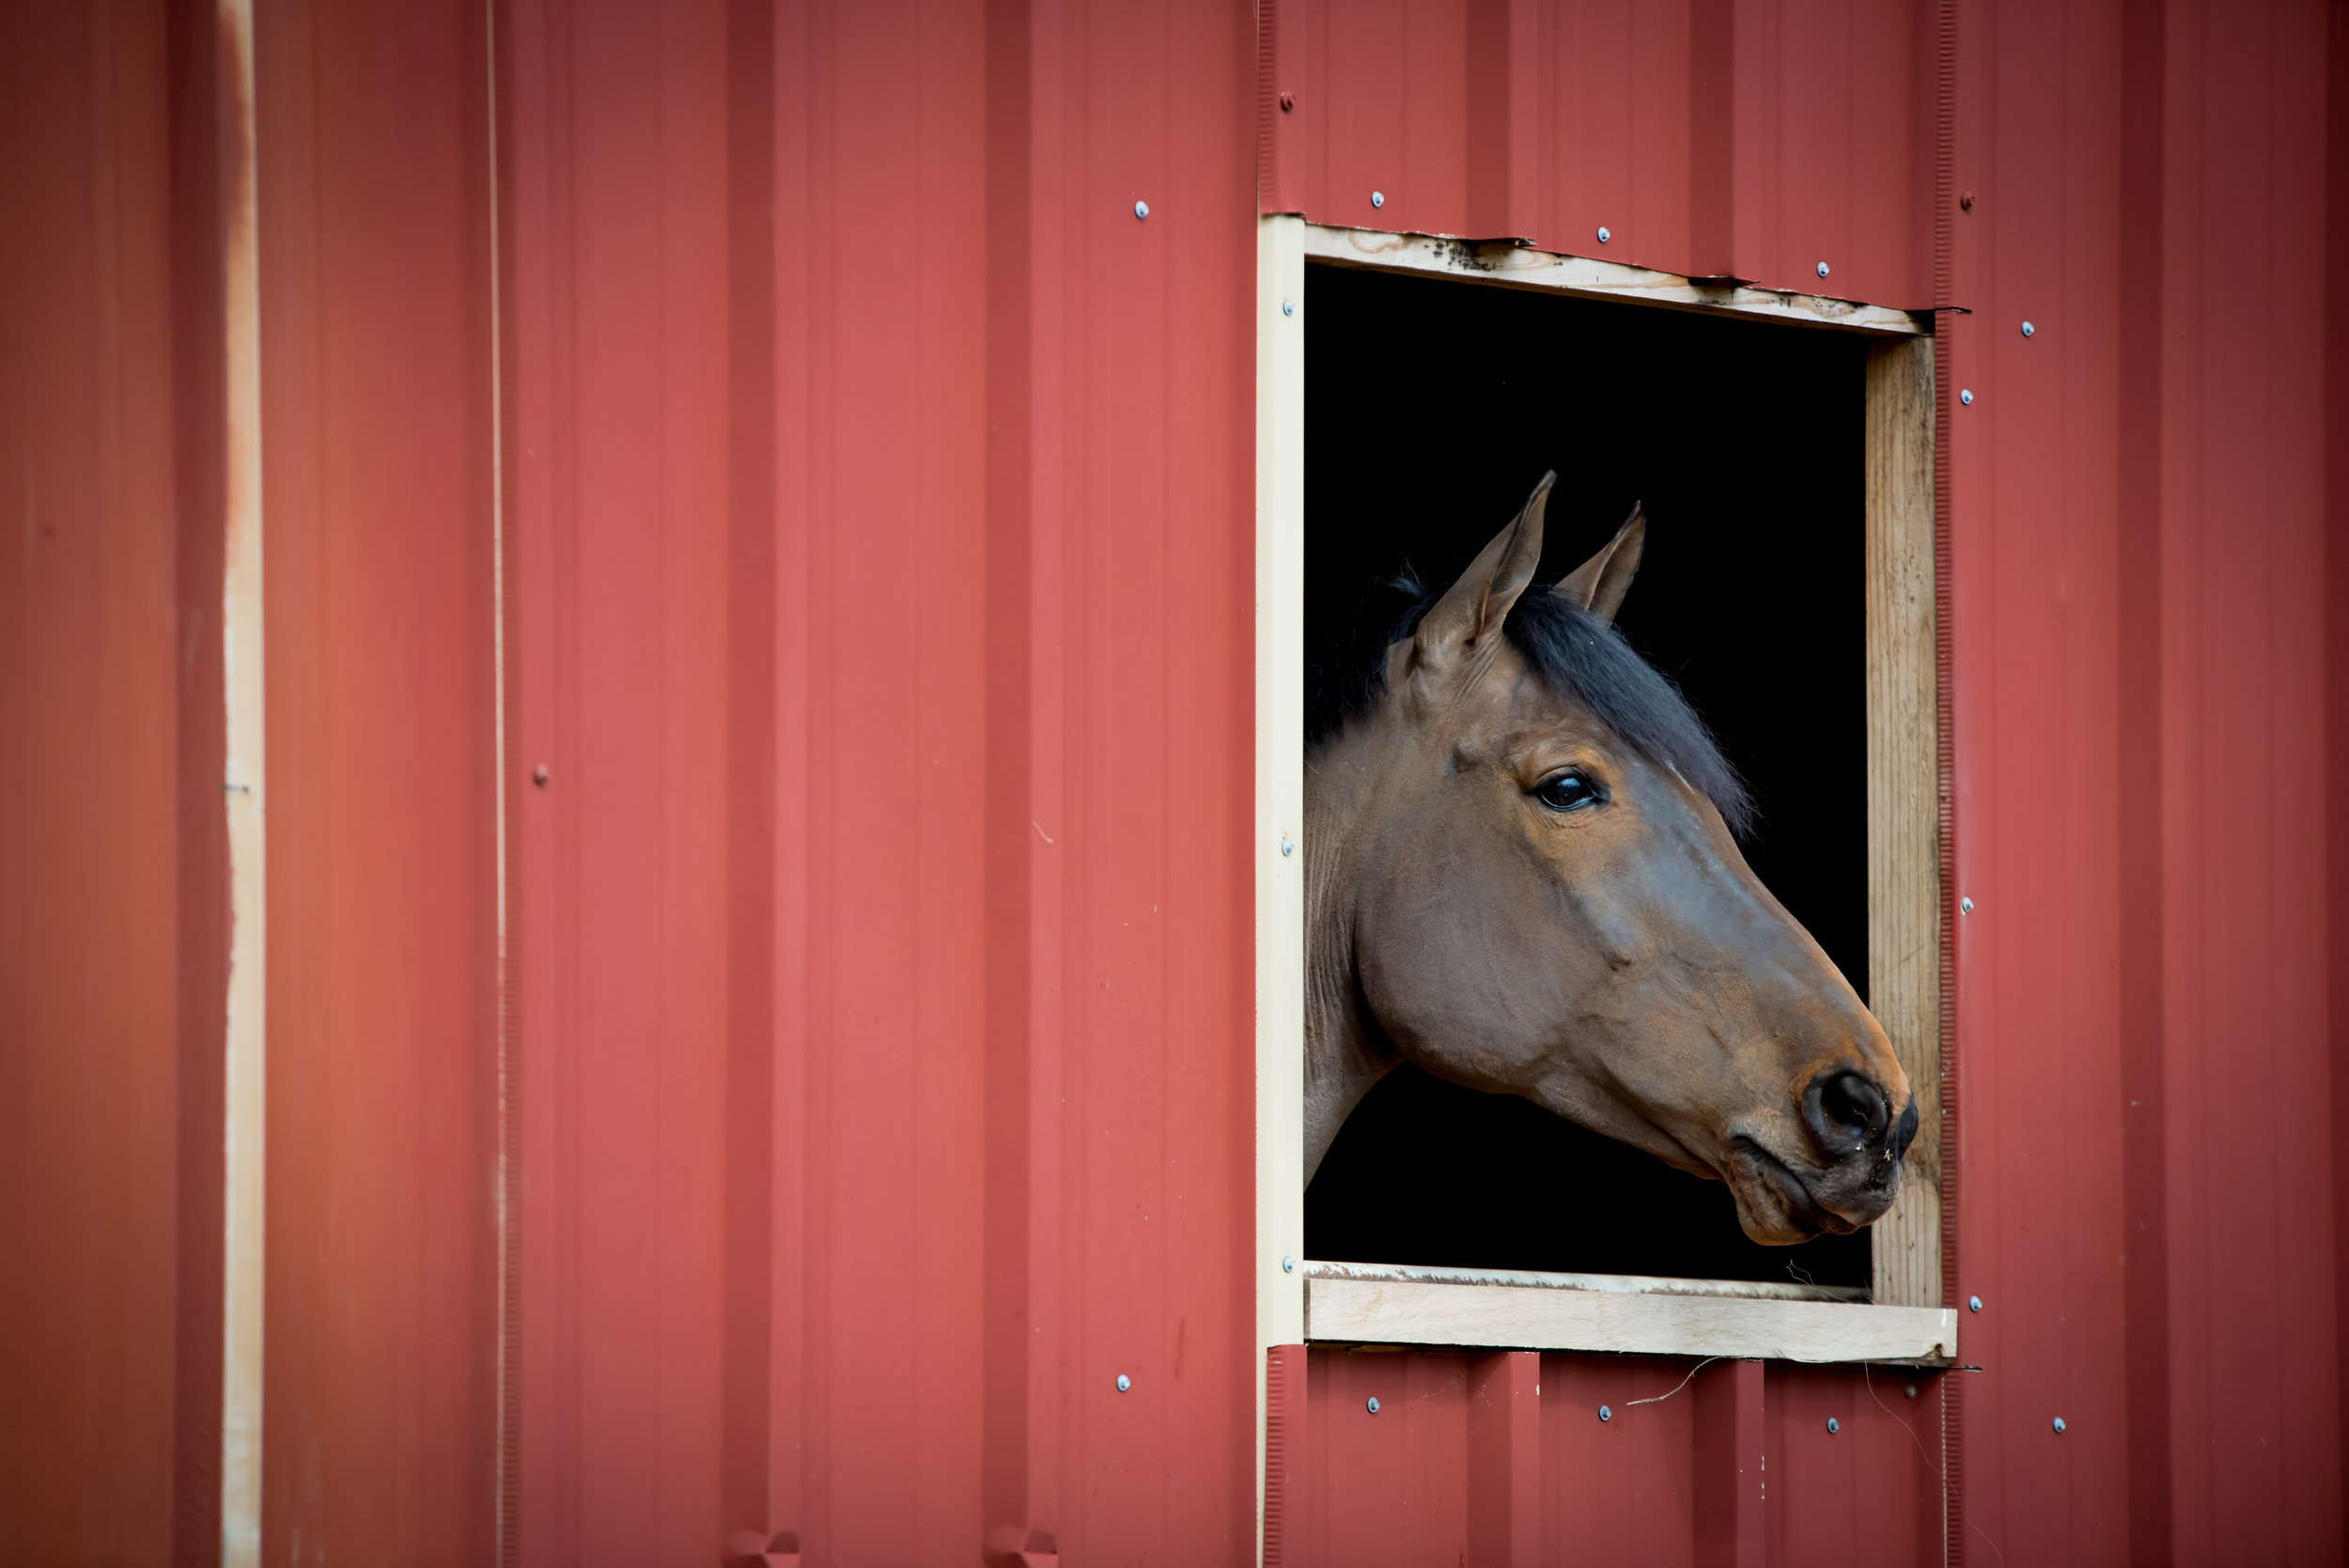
1432 408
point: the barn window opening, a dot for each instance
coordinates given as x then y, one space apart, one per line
1431 407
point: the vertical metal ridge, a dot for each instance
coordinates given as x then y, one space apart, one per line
746 1309
2143 807
1268 104
506 579
1945 747
1284 1411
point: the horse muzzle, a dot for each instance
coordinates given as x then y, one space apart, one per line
1849 1178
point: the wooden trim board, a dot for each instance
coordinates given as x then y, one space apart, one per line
1611 1284
1515 266
1904 797
1279 301
1539 1317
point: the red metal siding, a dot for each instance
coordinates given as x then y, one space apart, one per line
1010 1140
2132 513
90 638
875 496
619 504
380 1371
1502 1457
1706 136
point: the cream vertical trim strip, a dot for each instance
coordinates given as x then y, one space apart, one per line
245 1133
1280 799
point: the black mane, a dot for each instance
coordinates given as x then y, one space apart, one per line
1574 652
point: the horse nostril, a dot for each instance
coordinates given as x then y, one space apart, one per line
1846 1111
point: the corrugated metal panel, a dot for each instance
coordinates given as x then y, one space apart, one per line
90 799
380 1373
2139 511
1007 739
1708 137
1411 1458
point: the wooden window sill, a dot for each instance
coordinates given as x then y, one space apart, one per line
1494 1308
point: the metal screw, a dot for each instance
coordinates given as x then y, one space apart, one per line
1371 1404
1965 396
1142 210
2029 329
1965 905
538 775
1289 1266
1823 269
1605 1414
1288 308
1289 102
1973 1303
1123 1382
1910 1391
1833 1426
1378 199
1288 845
1966 200
2059 1426
1603 235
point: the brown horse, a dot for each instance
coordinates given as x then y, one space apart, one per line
1518 876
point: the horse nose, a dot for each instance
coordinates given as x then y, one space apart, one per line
1848 1115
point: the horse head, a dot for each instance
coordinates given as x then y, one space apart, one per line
1519 877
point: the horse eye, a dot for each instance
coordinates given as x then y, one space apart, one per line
1568 792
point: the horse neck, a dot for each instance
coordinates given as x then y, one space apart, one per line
1345 1052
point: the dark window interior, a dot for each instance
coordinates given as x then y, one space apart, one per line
1431 409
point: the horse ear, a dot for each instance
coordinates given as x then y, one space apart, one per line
1599 583
1464 621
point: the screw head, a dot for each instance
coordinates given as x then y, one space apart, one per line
2059 1426
1965 396
1142 210
1289 1266
1378 199
538 775
1965 905
1288 845
1966 200
1910 1391
2029 329
1605 1414
1123 1382
1833 1426
1973 1303
1603 235
1371 1404
1288 308
1823 269
1289 102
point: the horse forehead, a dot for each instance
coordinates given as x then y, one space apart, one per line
1515 707
1506 709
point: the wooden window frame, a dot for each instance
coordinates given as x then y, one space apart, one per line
1302 1301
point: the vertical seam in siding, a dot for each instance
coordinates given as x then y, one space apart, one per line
505 804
